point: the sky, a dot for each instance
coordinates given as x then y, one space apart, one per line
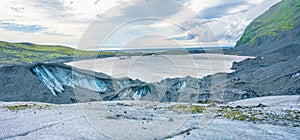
100 24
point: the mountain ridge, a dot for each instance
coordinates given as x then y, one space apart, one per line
277 28
283 16
25 52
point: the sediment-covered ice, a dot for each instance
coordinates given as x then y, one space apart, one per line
56 78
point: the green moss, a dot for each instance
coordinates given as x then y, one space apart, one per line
26 106
236 115
281 17
254 114
186 108
18 107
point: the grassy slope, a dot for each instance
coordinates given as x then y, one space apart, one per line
282 17
18 53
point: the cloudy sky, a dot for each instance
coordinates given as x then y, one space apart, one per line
88 24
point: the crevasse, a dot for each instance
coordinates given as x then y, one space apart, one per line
56 78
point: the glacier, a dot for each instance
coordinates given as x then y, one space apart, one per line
56 78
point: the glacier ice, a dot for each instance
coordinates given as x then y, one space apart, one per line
179 84
56 77
140 92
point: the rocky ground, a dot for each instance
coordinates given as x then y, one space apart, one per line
275 117
59 83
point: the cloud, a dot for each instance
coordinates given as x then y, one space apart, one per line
227 26
231 27
66 22
221 10
21 28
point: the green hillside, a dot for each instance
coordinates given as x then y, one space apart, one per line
18 53
281 17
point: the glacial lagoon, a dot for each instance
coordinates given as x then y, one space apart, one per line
154 68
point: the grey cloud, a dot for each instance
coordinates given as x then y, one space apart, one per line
143 8
21 28
220 10
53 5
136 13
54 8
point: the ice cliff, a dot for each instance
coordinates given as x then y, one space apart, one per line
56 78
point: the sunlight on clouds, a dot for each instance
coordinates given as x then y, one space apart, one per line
65 21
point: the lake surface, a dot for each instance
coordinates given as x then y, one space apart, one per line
154 68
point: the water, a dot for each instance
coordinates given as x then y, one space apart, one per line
157 67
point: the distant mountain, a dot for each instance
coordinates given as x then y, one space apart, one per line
20 53
276 29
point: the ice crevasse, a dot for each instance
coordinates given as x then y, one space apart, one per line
56 78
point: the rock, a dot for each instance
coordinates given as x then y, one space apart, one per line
261 105
203 96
